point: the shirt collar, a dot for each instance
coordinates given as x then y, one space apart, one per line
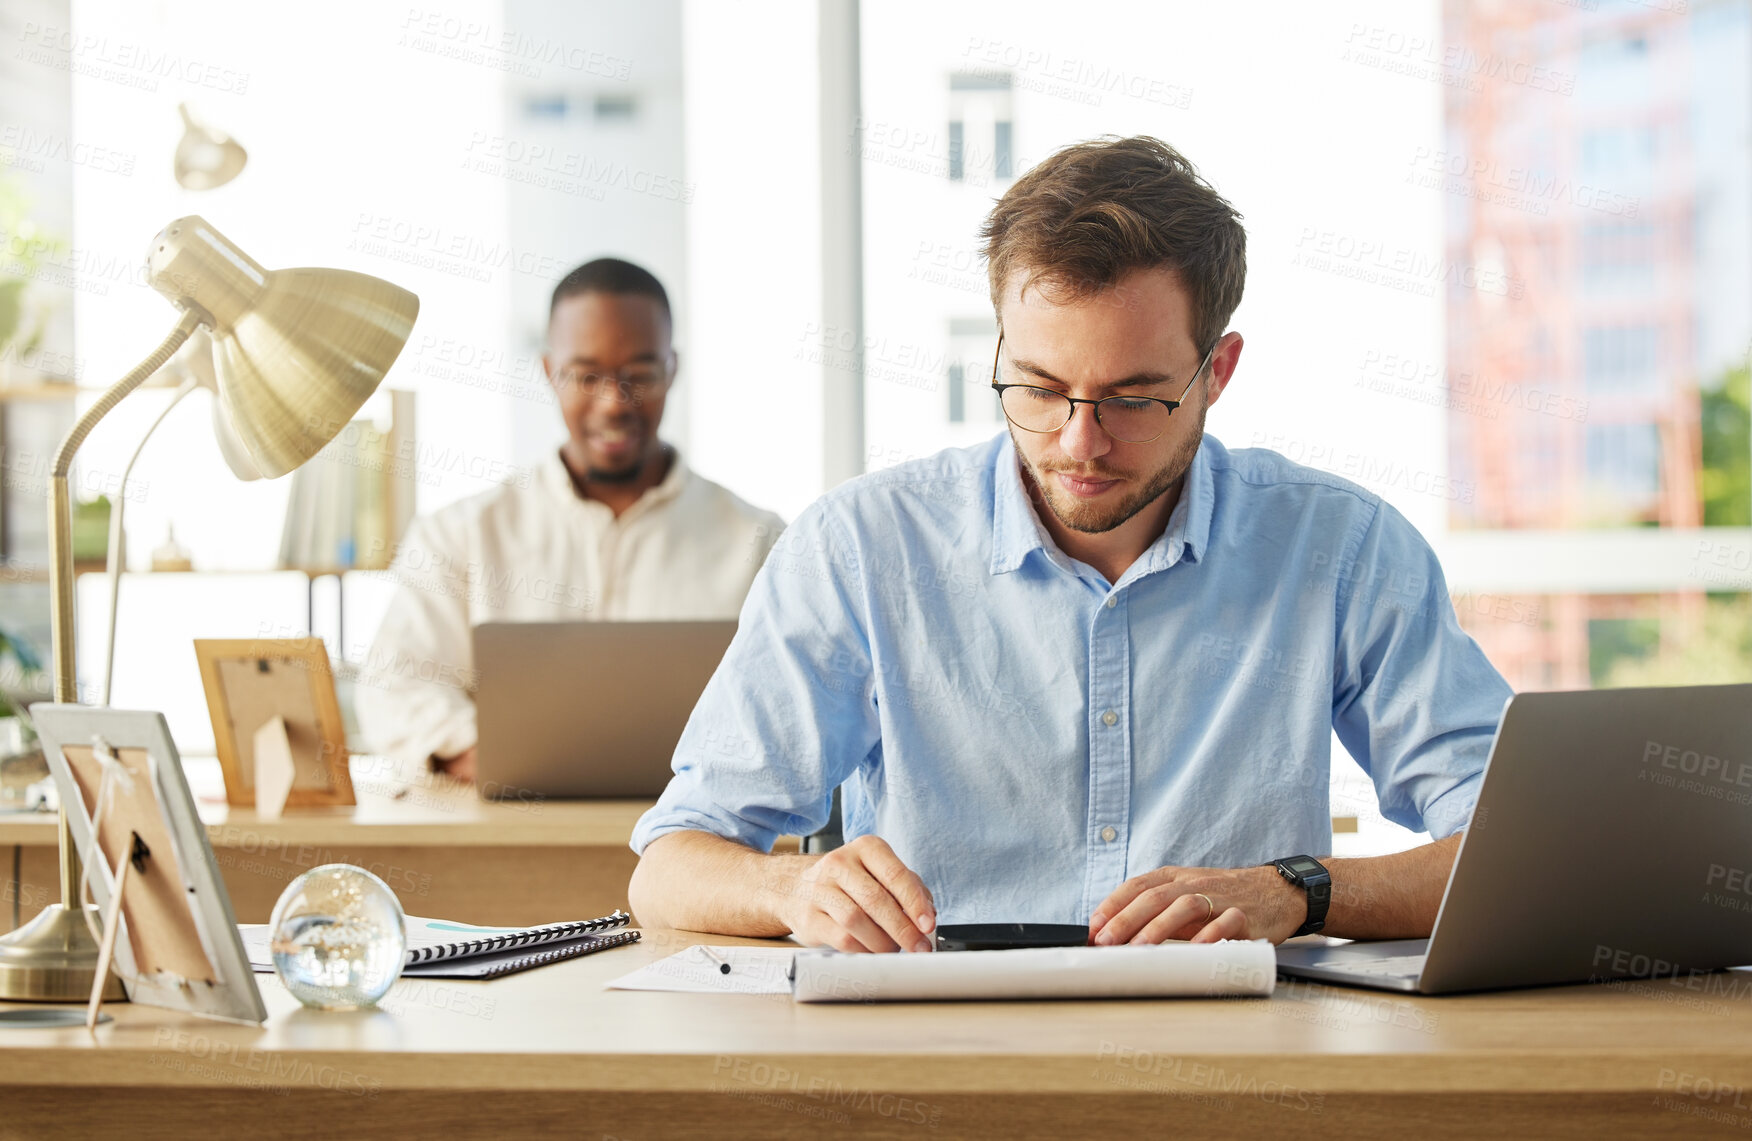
1017 530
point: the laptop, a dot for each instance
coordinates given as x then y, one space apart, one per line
587 709
1609 841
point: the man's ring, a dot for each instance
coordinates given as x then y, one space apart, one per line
1211 907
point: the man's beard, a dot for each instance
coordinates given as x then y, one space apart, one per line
1093 519
628 474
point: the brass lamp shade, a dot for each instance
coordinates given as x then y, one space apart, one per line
297 350
194 362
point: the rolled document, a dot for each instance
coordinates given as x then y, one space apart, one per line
1231 967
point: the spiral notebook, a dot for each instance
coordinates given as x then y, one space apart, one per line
441 949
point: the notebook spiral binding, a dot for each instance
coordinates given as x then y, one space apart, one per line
560 954
535 936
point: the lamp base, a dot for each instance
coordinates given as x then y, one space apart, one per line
53 958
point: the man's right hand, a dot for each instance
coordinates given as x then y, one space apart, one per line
859 898
461 766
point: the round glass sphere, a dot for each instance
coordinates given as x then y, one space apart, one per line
338 937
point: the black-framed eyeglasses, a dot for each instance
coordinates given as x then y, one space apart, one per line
635 383
1129 419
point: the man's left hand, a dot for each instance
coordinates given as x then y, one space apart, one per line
1200 904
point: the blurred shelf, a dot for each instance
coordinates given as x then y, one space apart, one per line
41 391
30 572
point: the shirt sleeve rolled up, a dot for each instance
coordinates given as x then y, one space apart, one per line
1415 700
790 712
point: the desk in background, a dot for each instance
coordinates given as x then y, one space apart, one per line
445 852
549 1053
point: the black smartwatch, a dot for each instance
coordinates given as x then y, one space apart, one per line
1312 877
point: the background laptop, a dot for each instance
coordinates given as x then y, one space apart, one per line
1609 841
587 709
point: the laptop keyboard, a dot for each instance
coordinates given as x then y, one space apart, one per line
1396 965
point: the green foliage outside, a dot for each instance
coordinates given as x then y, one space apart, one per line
1726 479
1717 652
1719 649
23 315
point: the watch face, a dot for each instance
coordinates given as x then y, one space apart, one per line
1303 866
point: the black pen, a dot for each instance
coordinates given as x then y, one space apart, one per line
723 963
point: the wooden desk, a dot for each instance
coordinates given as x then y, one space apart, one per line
549 1053
444 851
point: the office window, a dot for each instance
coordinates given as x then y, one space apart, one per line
544 106
981 127
614 108
1618 148
1623 471
1618 257
1622 360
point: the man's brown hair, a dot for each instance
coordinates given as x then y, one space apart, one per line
1095 211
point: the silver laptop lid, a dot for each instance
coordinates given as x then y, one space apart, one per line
587 709
1612 838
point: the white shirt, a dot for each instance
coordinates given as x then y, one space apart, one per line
540 552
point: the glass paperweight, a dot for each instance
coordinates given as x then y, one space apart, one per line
338 938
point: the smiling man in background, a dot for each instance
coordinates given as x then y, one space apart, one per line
612 526
1089 671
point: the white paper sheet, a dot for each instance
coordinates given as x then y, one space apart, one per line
1231 967
753 970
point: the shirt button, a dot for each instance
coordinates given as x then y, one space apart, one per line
1110 718
1112 602
1109 833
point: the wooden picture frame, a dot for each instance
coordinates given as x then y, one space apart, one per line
249 682
180 948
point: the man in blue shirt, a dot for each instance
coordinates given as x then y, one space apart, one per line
1088 671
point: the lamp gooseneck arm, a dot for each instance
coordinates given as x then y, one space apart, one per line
61 505
116 561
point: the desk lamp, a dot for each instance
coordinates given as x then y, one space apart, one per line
297 351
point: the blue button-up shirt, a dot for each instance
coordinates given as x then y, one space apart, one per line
1027 735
